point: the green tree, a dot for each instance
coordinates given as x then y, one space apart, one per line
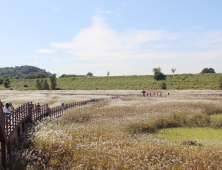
38 85
173 70
53 81
164 86
89 74
158 75
1 81
45 85
208 70
6 82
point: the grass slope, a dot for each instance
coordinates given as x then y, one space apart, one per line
176 81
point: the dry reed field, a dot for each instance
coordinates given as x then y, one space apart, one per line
126 133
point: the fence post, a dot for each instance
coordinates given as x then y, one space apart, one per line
3 154
9 149
18 133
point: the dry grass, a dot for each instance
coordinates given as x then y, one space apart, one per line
107 135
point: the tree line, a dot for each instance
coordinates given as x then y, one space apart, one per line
22 71
43 83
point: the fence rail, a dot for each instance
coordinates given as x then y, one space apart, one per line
27 113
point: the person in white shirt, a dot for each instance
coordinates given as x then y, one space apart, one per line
11 108
7 111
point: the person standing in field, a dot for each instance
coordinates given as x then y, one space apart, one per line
38 106
31 105
11 108
7 111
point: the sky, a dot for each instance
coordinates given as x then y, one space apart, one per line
124 37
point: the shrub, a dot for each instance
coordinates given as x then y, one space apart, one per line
158 75
6 82
1 81
208 70
89 74
53 81
164 86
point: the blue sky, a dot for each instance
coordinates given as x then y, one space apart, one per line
124 37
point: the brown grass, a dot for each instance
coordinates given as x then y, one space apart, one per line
116 135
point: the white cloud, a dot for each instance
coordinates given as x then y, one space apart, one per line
45 51
124 4
30 56
99 11
99 43
208 40
56 8
99 47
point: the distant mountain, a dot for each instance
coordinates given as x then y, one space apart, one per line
22 71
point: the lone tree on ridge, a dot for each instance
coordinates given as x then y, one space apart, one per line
208 70
158 75
173 70
89 74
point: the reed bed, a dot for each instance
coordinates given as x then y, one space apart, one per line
122 134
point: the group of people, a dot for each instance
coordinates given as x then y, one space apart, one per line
37 106
7 108
64 106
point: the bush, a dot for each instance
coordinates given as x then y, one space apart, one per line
34 76
26 85
53 81
164 86
158 75
42 85
208 70
1 81
89 74
6 82
45 85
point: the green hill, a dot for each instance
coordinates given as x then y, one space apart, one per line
177 81
21 71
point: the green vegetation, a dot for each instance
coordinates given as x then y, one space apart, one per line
6 81
176 120
158 75
173 70
97 137
71 75
220 83
53 81
22 71
41 85
176 81
108 73
89 74
204 135
34 76
208 70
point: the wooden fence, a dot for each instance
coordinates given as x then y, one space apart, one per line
27 113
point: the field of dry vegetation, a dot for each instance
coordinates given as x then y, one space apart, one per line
125 133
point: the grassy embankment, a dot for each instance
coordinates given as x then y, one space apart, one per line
128 134
177 81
